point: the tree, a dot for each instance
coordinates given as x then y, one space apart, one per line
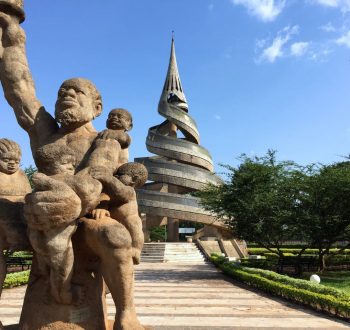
260 200
270 202
29 171
326 208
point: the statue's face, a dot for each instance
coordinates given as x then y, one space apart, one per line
65 165
119 120
76 104
9 162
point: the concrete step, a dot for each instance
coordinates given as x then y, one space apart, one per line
171 252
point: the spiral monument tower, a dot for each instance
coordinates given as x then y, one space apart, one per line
181 165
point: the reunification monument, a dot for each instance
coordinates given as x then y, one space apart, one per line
81 220
181 166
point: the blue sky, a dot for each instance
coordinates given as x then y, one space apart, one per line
257 74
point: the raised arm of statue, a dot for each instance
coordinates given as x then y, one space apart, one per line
17 81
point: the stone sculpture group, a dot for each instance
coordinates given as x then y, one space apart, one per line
81 220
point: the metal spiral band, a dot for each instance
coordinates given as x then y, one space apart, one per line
181 163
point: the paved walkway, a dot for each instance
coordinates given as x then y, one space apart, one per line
197 297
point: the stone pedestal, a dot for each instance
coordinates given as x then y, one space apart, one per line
88 310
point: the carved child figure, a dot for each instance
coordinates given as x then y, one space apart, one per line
14 185
123 206
119 122
52 241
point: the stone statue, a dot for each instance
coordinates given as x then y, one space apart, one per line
123 205
118 123
14 185
52 241
103 249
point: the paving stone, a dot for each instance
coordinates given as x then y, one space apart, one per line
198 297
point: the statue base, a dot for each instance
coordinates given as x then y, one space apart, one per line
88 310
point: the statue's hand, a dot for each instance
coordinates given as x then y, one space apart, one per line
5 20
52 204
99 214
122 137
100 173
106 134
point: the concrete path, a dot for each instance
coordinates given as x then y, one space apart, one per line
197 297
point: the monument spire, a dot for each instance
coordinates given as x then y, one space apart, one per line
172 90
180 165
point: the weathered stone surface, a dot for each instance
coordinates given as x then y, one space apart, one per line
80 236
14 185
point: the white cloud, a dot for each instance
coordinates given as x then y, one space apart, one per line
217 117
266 10
276 48
319 52
344 39
299 48
261 43
343 5
329 27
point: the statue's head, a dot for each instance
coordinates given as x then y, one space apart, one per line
78 103
56 159
10 156
132 174
119 119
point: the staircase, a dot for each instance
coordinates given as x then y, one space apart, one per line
171 252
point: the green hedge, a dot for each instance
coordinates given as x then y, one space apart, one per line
315 295
264 263
272 258
263 251
16 279
337 260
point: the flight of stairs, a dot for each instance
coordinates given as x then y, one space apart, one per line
171 252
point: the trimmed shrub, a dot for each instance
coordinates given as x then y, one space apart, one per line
263 251
314 295
16 279
337 260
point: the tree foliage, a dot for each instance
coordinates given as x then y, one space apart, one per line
29 171
259 199
269 202
326 208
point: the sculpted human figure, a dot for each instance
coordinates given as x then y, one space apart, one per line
118 123
123 205
123 216
14 185
78 103
52 240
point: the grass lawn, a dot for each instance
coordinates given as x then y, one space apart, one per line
337 279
